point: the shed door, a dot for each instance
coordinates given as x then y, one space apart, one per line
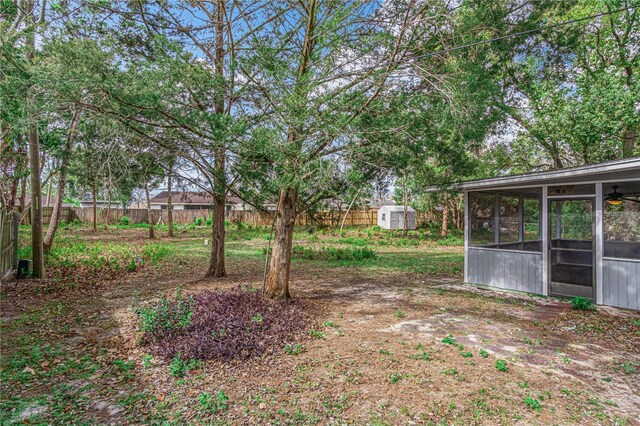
571 229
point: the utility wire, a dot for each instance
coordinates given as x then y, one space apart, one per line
491 40
506 36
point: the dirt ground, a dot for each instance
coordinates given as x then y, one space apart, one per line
380 360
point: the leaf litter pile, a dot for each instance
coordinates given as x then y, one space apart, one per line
222 325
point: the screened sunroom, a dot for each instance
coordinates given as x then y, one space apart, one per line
572 232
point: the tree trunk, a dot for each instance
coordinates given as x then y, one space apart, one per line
405 226
62 181
34 159
36 202
217 261
169 205
107 218
23 194
94 197
628 143
445 216
13 193
277 279
344 218
49 187
152 233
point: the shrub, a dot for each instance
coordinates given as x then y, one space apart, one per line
209 222
335 254
484 354
124 220
222 325
198 221
582 304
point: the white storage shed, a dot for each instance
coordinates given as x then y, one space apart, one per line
392 217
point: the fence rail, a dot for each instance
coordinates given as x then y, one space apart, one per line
257 218
8 241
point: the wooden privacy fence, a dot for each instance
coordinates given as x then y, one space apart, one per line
9 222
66 215
256 218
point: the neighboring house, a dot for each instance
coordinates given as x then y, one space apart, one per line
27 201
100 204
191 200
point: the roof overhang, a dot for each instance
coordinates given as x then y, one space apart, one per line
619 170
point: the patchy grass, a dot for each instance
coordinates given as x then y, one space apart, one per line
74 350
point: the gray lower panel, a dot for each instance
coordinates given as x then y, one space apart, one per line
621 283
521 271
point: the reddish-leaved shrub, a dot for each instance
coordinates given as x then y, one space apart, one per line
225 325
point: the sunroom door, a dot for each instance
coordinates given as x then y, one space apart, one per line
572 246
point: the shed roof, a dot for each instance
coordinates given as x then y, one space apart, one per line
628 168
397 209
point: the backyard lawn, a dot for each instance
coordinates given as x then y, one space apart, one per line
381 331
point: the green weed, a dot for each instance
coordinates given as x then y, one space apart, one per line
582 304
501 365
533 403
317 334
209 404
294 349
395 378
449 340
424 355
178 368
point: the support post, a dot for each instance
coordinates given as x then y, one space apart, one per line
558 219
544 232
496 220
599 249
467 234
521 219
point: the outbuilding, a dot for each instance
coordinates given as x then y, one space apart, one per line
392 217
570 232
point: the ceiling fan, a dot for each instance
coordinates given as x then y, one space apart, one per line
615 198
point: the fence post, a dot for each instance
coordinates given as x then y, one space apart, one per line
16 229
